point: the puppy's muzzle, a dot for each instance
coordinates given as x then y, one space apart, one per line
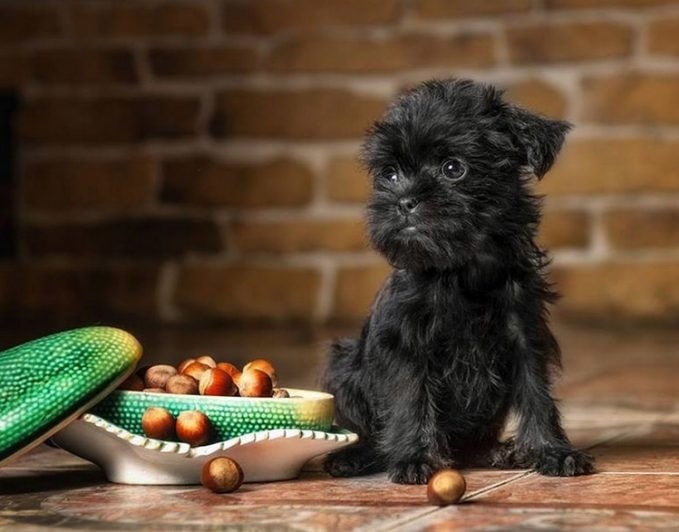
407 205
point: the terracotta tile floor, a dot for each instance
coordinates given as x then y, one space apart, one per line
619 396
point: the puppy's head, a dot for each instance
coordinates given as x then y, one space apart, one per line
448 161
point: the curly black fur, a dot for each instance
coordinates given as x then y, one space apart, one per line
458 335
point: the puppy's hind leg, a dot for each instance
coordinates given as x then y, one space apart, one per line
342 378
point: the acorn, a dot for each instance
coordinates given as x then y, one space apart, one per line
230 369
195 370
280 393
265 366
157 376
184 364
158 423
445 487
207 360
222 475
182 384
194 428
255 383
216 382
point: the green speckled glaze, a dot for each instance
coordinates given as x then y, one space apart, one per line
50 381
230 416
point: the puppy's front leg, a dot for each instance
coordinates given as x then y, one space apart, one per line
541 442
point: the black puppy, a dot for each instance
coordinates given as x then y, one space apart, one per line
458 336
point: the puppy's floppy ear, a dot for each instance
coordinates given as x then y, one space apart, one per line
540 137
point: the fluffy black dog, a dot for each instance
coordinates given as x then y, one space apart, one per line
458 336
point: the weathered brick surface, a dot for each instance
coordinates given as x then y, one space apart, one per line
62 120
203 181
619 291
538 96
200 62
301 114
436 9
631 165
632 98
547 43
76 292
25 23
564 229
662 36
141 238
62 183
248 291
346 181
299 236
75 66
355 290
585 4
245 16
632 229
132 19
319 53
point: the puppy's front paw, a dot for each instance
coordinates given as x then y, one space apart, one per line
564 463
411 473
351 462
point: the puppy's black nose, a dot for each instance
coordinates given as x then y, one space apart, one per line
407 205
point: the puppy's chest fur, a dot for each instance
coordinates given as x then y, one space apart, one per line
452 343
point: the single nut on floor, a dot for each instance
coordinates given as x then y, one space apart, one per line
182 384
265 366
221 475
216 382
280 393
446 486
255 383
157 376
158 423
194 428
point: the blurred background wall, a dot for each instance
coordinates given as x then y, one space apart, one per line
196 160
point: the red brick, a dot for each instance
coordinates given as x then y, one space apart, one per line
592 166
203 181
538 96
301 114
551 43
632 98
61 120
248 292
245 16
632 229
564 229
596 4
662 36
347 181
355 290
203 62
619 292
319 53
118 19
130 238
24 23
88 184
88 293
291 236
83 66
436 9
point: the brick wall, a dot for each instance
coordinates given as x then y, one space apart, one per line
195 160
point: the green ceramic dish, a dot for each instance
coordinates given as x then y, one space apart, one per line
230 416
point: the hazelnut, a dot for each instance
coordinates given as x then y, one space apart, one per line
216 382
446 486
154 390
207 360
230 369
194 428
182 384
184 363
133 383
221 475
158 423
195 370
265 366
280 393
156 376
255 383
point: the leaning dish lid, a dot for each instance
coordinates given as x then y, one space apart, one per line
47 383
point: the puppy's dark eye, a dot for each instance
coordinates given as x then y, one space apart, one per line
454 169
390 174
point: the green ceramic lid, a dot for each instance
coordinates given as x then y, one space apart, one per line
47 383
